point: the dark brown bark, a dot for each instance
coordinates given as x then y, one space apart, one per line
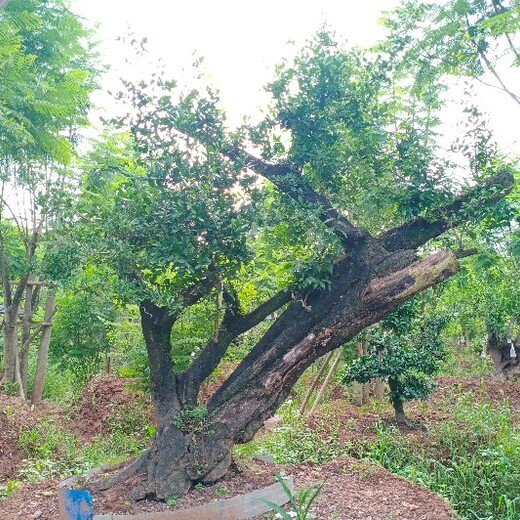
397 402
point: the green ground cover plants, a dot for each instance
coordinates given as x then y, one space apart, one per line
477 472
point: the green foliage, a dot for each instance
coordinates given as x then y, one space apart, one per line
403 350
47 74
452 37
171 501
81 329
294 442
9 488
220 491
477 472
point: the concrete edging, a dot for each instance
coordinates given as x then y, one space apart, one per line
76 504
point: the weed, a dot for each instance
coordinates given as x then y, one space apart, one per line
171 501
9 488
300 502
194 419
221 491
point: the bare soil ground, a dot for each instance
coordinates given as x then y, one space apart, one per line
352 489
102 401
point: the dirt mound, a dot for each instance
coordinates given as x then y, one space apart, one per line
106 401
10 455
33 501
482 389
360 490
15 415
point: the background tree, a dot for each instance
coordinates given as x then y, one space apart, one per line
473 38
405 349
47 74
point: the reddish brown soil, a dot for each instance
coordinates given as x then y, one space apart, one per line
103 401
15 415
352 489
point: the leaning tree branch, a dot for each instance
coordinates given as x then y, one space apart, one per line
418 231
269 376
232 327
288 180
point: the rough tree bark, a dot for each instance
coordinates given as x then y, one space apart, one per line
400 417
375 275
43 352
13 293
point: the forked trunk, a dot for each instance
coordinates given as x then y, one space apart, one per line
193 441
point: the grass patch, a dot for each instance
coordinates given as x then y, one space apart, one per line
472 459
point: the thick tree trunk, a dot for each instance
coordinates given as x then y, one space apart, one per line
193 444
499 350
494 350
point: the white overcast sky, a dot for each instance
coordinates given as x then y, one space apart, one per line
241 41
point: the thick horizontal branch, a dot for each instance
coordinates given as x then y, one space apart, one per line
273 366
399 286
417 232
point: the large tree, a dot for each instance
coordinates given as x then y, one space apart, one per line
338 190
